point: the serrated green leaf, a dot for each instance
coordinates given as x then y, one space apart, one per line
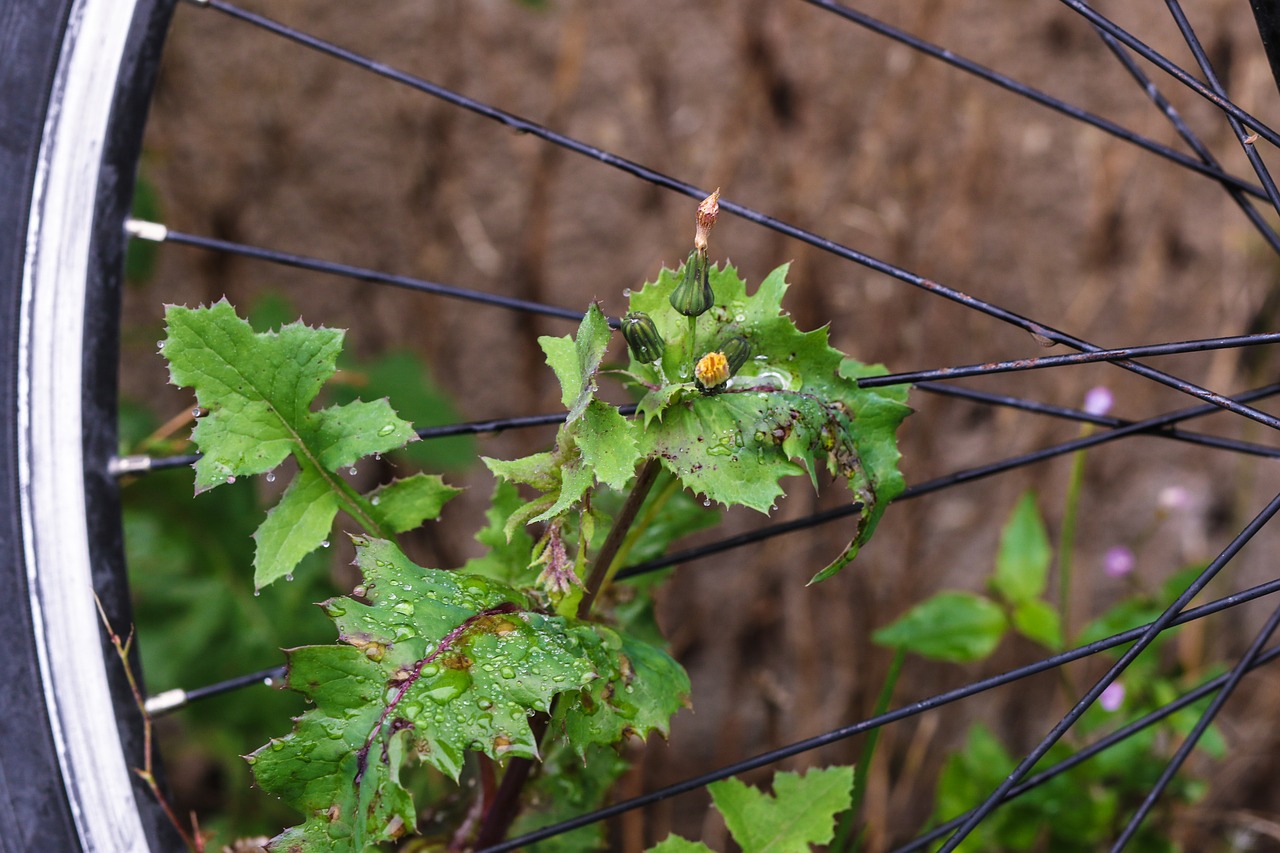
575 360
435 664
1038 621
258 389
801 811
793 407
315 768
540 470
959 627
639 689
405 503
1022 561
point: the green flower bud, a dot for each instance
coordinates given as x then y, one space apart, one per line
642 337
693 295
737 350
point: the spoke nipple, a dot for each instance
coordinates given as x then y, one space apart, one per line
119 466
144 230
162 703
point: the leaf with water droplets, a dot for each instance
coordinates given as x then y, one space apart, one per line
640 687
258 391
435 664
794 406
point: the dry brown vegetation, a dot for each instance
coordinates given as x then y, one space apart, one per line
826 126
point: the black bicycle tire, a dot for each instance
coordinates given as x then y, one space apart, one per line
77 81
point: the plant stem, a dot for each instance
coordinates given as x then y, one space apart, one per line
693 342
1067 539
845 840
194 840
613 542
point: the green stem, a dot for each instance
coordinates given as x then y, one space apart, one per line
693 342
843 841
1067 540
637 530
613 542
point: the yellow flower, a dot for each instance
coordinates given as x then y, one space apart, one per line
712 370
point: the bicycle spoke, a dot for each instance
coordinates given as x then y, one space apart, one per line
159 233
176 699
143 463
1089 357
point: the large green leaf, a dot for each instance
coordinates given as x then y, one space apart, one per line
258 391
435 664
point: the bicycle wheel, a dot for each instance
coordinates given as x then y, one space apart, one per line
76 79
102 447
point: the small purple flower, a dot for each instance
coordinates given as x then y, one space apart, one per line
1112 697
1098 400
1118 561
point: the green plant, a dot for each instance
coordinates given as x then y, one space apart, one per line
529 651
1085 806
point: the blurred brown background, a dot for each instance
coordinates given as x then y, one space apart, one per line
824 125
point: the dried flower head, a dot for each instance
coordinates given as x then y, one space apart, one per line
706 219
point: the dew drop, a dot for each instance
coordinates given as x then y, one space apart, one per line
626 291
231 479
289 577
375 500
195 413
387 430
324 544
377 457
159 344
352 470
271 476
257 592
507 672
706 502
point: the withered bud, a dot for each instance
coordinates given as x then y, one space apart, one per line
706 219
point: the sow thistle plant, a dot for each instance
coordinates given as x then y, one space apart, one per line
529 652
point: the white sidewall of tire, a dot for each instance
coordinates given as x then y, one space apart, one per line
69 634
